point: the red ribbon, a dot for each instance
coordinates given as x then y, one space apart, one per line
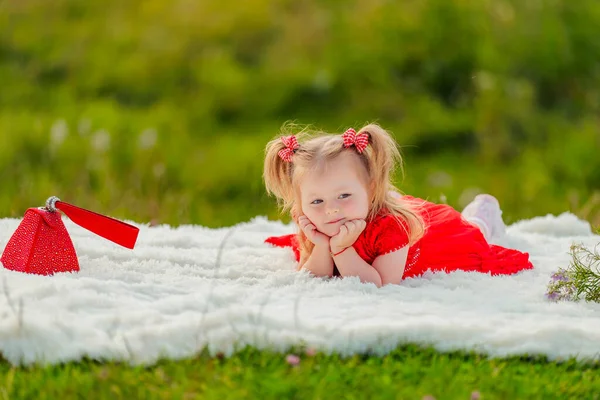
109 228
291 144
360 141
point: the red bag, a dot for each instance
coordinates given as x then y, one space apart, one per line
41 244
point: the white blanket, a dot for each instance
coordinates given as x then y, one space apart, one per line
167 299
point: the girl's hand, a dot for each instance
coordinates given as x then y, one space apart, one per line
348 234
311 232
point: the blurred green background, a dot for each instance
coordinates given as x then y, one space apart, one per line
158 111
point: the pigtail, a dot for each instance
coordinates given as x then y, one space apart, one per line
383 159
277 173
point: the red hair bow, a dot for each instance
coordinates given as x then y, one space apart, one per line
360 141
291 144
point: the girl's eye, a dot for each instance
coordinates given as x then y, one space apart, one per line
343 196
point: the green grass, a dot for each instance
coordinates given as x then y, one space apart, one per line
410 372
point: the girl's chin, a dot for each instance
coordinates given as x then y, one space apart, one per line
331 231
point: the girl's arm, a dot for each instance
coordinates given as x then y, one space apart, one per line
319 263
387 268
349 263
391 265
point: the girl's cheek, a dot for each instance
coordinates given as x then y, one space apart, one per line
315 215
349 205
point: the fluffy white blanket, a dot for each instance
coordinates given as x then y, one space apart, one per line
167 298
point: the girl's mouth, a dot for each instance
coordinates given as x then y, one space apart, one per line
337 220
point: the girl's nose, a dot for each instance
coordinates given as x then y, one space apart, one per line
332 211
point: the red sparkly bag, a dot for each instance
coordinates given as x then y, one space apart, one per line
41 244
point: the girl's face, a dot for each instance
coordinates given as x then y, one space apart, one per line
338 194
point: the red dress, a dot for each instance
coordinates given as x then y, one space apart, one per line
450 243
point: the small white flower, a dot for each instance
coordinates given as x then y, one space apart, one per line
101 140
148 138
58 132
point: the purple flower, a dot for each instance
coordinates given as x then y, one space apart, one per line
552 296
560 276
561 286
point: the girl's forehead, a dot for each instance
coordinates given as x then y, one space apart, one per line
330 180
344 162
333 174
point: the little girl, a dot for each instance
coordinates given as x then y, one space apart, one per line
353 221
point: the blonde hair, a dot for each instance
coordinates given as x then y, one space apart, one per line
380 158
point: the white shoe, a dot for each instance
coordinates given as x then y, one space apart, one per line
485 212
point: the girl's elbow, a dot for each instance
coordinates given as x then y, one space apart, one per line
391 281
318 274
379 282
